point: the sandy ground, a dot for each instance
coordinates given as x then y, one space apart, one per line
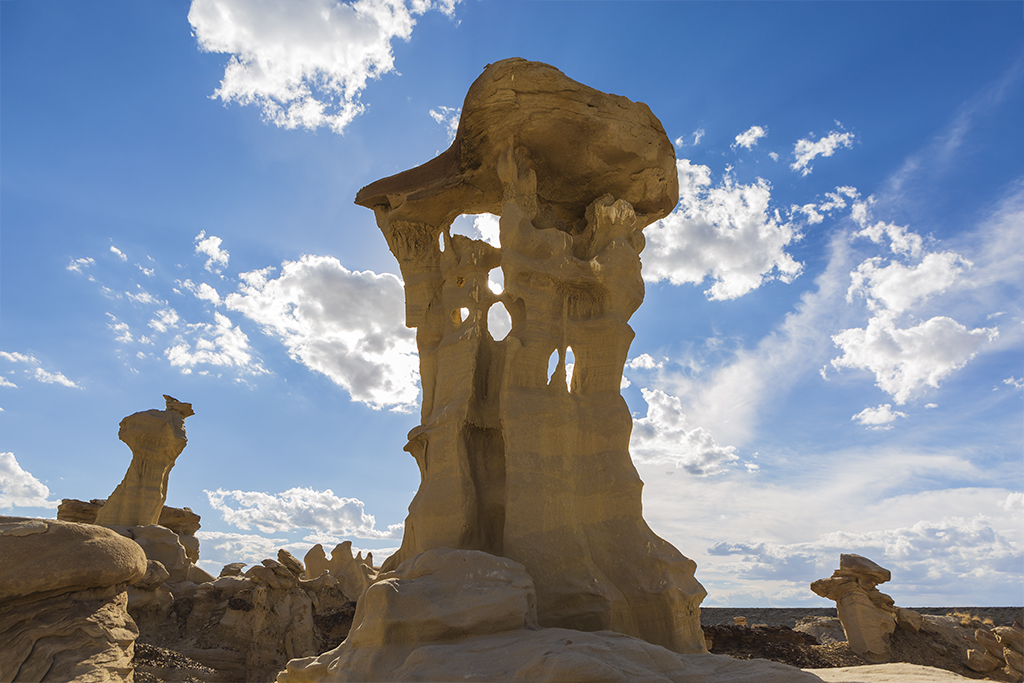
887 673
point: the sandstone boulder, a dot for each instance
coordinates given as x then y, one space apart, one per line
466 615
63 604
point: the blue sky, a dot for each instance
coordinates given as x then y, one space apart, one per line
829 357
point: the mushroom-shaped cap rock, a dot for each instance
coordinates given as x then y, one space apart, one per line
582 144
42 555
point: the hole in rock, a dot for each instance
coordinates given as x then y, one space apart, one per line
440 241
570 365
496 280
499 322
552 364
463 314
483 226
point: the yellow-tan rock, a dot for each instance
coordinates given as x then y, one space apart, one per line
454 615
868 615
63 603
156 439
514 460
353 574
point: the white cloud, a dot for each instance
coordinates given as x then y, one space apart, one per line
906 360
4 382
727 233
348 325
448 117
680 141
36 372
805 150
249 548
697 135
1014 382
78 264
774 156
809 210
298 508
211 247
123 330
53 378
898 288
144 297
879 417
304 63
18 488
901 240
645 362
665 436
119 253
749 137
164 320
218 344
202 291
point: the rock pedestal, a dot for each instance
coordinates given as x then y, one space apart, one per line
516 460
157 438
868 615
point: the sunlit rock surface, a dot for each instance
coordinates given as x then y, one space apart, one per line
523 444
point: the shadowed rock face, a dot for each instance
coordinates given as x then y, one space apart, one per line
515 460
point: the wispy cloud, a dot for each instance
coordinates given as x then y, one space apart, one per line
35 370
448 117
304 63
807 149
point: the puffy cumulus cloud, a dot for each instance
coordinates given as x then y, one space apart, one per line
298 508
304 63
806 149
349 326
18 488
664 436
905 360
210 246
727 233
897 287
879 417
749 137
35 370
644 361
4 382
218 343
484 226
448 117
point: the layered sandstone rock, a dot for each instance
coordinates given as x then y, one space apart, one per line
182 521
353 574
514 460
63 604
448 615
868 615
156 438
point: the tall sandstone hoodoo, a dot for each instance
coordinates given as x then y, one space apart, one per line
515 460
157 438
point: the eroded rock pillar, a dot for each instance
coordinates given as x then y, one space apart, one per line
156 438
515 460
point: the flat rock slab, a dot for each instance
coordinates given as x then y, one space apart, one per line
887 673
